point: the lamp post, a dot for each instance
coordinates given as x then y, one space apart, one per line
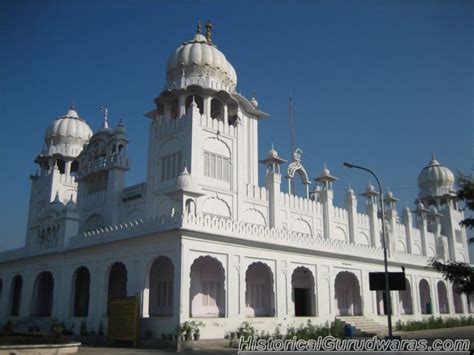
384 244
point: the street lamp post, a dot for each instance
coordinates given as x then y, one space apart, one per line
385 258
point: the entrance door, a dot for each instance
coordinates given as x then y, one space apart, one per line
301 302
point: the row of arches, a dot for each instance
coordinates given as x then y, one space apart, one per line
208 293
217 109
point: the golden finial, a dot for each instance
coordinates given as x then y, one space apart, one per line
209 31
198 30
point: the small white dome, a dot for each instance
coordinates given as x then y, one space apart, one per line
272 153
198 62
67 132
435 180
370 188
254 101
185 181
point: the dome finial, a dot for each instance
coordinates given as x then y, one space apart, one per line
72 106
105 124
209 31
198 30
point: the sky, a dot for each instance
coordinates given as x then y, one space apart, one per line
380 83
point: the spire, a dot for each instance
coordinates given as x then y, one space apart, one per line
198 30
209 31
105 124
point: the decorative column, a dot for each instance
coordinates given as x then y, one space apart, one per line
407 222
272 183
371 207
421 224
181 106
392 218
351 206
207 105
326 196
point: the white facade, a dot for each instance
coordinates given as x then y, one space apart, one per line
199 239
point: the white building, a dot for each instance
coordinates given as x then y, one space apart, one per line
199 239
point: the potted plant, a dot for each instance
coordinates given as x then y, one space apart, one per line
57 329
197 334
83 331
188 331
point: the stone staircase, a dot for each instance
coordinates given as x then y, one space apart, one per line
365 326
44 324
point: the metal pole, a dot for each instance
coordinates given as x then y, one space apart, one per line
384 244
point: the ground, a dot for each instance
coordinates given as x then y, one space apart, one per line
449 333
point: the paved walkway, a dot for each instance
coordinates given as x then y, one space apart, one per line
83 350
445 333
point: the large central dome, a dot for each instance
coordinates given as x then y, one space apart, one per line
199 62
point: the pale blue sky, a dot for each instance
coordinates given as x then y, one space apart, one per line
380 83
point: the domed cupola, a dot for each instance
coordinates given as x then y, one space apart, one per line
67 135
199 62
435 180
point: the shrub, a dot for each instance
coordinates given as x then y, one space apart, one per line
435 323
57 329
8 327
83 330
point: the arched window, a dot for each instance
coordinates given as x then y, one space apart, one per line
81 286
259 295
117 284
161 287
207 292
425 297
74 166
406 302
457 300
442 298
198 100
217 109
15 295
42 301
302 281
61 165
174 108
190 206
347 291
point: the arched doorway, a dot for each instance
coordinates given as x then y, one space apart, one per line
81 286
347 292
117 285
161 287
259 295
405 299
457 300
470 303
302 282
207 292
382 303
42 302
15 295
442 298
425 297
198 100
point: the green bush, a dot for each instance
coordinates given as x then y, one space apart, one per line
435 323
8 327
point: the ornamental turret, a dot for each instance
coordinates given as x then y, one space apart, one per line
55 186
103 164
